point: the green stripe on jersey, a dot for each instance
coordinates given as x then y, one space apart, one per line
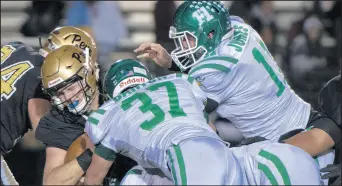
95 117
278 164
211 66
134 172
173 170
93 121
179 74
268 173
190 79
181 164
101 111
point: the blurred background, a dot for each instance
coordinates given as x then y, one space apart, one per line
303 36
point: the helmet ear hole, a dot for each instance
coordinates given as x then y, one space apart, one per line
211 34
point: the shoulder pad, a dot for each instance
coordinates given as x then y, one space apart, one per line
19 44
236 19
235 46
214 63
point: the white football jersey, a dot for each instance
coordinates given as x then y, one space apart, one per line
145 121
242 76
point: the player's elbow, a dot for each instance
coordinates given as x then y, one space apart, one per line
314 142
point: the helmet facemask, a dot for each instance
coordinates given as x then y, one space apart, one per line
187 53
78 102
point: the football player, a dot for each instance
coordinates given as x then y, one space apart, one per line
242 80
69 77
330 104
22 100
21 65
160 124
111 127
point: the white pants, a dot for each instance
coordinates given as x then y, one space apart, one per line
270 163
196 161
325 159
7 177
140 176
203 161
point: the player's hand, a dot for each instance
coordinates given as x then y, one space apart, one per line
155 52
89 144
333 171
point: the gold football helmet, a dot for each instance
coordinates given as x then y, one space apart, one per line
65 68
69 35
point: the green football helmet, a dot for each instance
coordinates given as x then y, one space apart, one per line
124 74
198 28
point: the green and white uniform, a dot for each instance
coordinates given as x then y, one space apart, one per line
252 93
263 163
161 124
272 163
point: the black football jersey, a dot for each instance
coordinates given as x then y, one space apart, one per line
330 104
330 99
60 128
20 72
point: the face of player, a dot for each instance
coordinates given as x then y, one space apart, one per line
188 41
73 96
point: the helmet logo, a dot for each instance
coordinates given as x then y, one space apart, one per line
78 39
132 80
202 15
77 56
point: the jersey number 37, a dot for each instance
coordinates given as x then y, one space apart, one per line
147 105
12 73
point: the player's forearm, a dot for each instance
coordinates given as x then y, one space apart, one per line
101 162
66 174
70 173
314 141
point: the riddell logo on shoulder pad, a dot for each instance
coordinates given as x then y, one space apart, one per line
132 80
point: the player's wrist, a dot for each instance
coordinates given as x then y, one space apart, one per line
84 159
169 62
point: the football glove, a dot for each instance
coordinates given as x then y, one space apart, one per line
333 172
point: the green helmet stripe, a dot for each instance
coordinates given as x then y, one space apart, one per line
211 66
